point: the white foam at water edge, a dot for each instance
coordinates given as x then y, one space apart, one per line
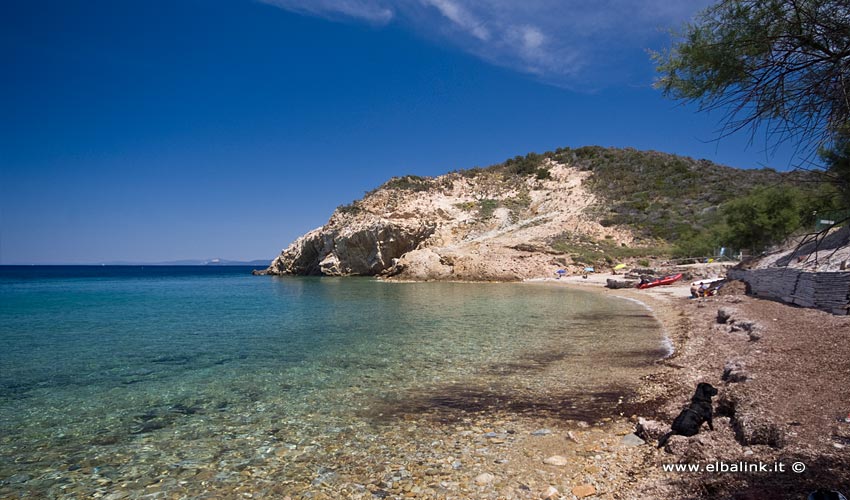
666 341
637 301
668 346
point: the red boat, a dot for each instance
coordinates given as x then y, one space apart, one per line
661 281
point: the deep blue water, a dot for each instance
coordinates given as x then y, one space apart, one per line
89 356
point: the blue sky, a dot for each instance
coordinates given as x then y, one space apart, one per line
183 129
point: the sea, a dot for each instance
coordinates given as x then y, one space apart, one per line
209 382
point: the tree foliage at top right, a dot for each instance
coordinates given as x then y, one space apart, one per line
779 64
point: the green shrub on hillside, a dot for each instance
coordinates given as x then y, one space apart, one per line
524 165
466 206
517 203
583 250
661 195
351 208
409 183
486 207
542 174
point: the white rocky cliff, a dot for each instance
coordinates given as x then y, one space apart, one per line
477 225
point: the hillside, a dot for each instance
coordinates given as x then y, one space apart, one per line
526 217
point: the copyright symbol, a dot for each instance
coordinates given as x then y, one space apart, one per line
798 467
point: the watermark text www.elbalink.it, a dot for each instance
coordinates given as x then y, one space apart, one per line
719 467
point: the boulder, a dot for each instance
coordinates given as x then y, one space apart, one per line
698 448
725 314
421 264
751 429
734 372
615 284
650 430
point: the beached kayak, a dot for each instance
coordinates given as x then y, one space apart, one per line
661 281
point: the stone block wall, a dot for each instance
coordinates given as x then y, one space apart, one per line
829 291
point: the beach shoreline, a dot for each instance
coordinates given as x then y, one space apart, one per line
780 405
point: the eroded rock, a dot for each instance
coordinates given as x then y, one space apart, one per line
349 250
650 430
724 314
734 371
752 429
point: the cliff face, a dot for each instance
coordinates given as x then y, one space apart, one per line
527 217
453 227
368 247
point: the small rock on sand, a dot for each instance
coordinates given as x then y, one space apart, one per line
484 478
650 429
632 440
585 490
550 492
556 460
734 371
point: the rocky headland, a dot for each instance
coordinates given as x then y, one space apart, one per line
452 227
525 218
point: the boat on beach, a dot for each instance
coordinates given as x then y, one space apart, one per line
666 280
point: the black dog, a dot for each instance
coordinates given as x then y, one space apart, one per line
691 419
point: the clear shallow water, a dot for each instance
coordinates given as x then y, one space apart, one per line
112 375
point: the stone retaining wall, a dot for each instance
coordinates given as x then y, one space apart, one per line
827 291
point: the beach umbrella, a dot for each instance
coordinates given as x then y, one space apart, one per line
619 266
588 270
561 272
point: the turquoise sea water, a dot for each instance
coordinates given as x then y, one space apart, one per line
117 377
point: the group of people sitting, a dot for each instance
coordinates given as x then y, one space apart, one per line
699 289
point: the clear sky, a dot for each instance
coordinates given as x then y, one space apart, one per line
191 129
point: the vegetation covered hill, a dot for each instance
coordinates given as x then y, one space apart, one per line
533 214
662 196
